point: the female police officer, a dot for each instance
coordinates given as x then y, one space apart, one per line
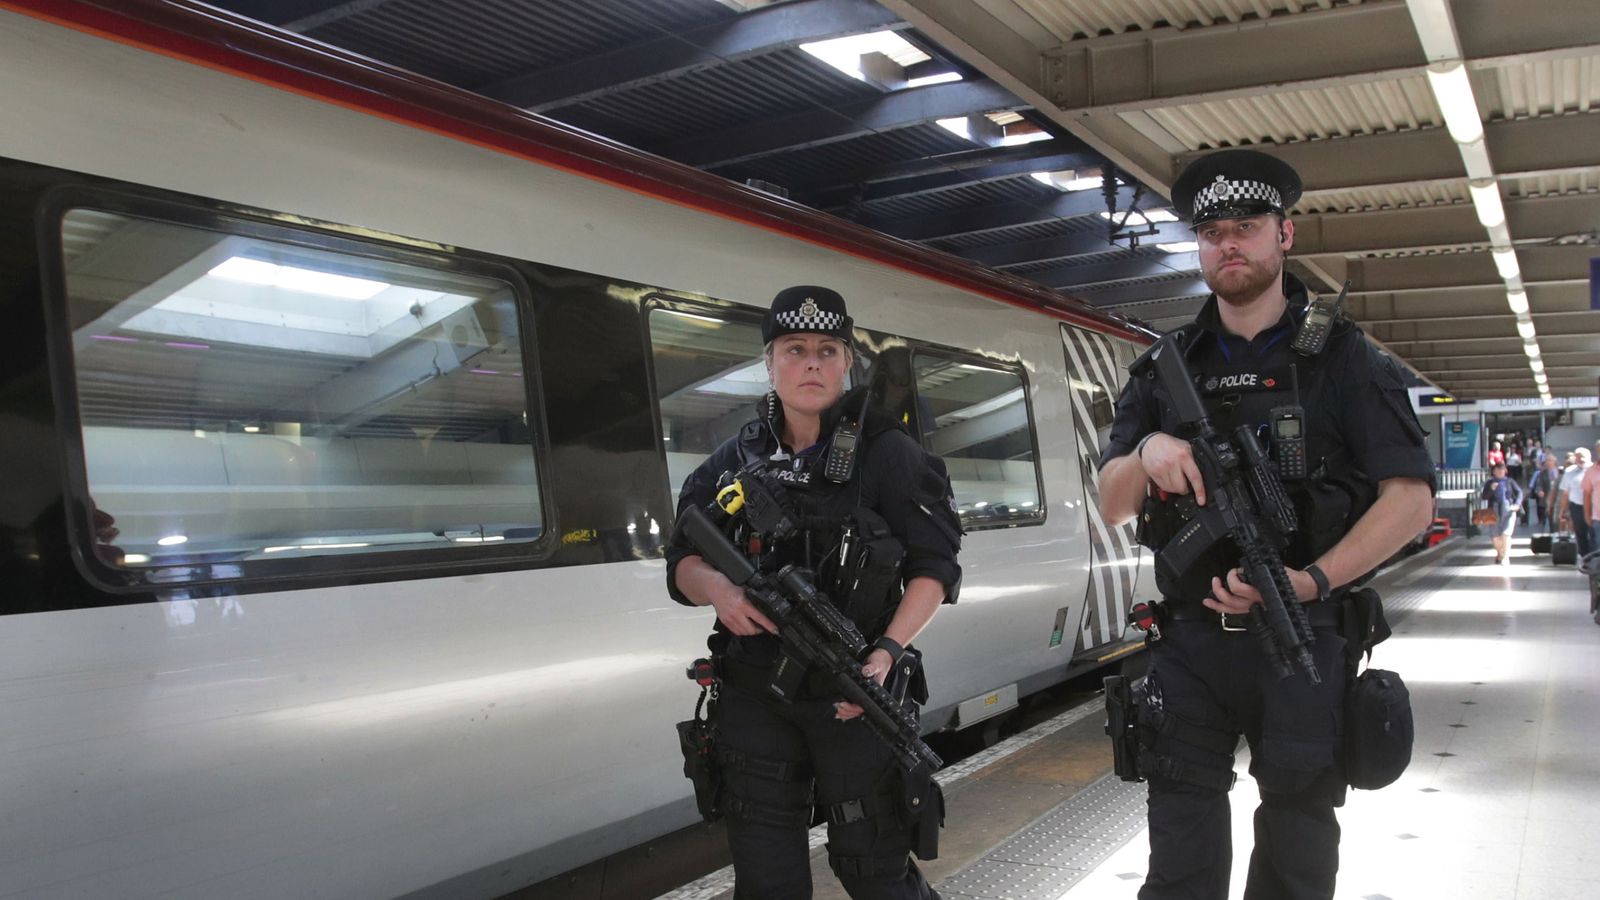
896 496
1365 490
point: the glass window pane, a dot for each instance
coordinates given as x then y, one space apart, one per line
976 417
709 374
244 398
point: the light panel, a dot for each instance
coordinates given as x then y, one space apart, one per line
1453 90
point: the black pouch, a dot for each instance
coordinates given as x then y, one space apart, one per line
697 738
1364 625
922 807
1378 730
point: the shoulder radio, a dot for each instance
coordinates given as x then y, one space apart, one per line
1320 316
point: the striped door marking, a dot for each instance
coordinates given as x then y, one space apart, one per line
1093 373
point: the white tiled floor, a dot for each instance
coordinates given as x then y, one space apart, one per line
1511 654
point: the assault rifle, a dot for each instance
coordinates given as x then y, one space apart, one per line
1245 502
813 632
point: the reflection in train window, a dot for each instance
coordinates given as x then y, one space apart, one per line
976 417
243 398
709 373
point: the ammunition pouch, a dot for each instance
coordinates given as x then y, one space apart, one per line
866 582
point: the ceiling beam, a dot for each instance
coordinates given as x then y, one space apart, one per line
1518 148
994 216
1007 45
1441 328
1122 296
1080 277
816 127
1433 227
761 31
1468 271
952 179
1468 303
1167 67
1068 246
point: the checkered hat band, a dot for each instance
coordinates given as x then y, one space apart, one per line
821 320
1226 192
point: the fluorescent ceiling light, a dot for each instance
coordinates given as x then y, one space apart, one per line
1530 349
134 559
1486 198
1453 89
1525 328
1143 216
1505 262
941 78
1070 180
1518 301
173 540
958 126
1179 247
1025 137
294 278
845 53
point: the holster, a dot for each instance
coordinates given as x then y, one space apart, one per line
1122 726
697 738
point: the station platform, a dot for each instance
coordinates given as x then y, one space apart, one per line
1501 802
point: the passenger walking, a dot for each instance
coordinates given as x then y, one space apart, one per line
871 503
1369 491
1573 517
1495 455
1514 464
1589 492
1504 496
1542 488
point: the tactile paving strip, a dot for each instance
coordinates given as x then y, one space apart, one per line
1043 860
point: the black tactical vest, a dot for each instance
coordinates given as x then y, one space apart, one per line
1245 391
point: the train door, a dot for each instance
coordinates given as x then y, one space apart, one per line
1097 367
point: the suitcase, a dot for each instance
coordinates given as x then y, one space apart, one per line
1563 550
1540 544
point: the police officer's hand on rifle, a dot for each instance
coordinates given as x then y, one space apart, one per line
1234 597
877 667
1170 464
708 587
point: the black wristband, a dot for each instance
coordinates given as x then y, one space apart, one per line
890 646
1138 449
1316 573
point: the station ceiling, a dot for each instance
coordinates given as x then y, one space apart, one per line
989 128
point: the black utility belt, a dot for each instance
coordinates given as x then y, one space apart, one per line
756 676
1329 614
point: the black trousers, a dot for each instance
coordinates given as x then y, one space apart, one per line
771 859
1580 529
1217 680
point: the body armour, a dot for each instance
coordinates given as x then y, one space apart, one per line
1244 391
892 521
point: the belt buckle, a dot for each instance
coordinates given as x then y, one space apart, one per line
1227 627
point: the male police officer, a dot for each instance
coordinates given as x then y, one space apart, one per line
1368 488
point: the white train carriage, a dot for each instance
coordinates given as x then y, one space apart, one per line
343 416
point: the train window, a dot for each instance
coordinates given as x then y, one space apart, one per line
976 417
709 373
245 397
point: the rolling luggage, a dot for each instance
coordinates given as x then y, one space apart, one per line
1564 550
1540 543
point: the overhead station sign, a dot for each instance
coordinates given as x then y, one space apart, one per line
1435 399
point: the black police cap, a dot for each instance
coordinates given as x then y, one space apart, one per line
807 308
1235 184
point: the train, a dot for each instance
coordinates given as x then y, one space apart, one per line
343 416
